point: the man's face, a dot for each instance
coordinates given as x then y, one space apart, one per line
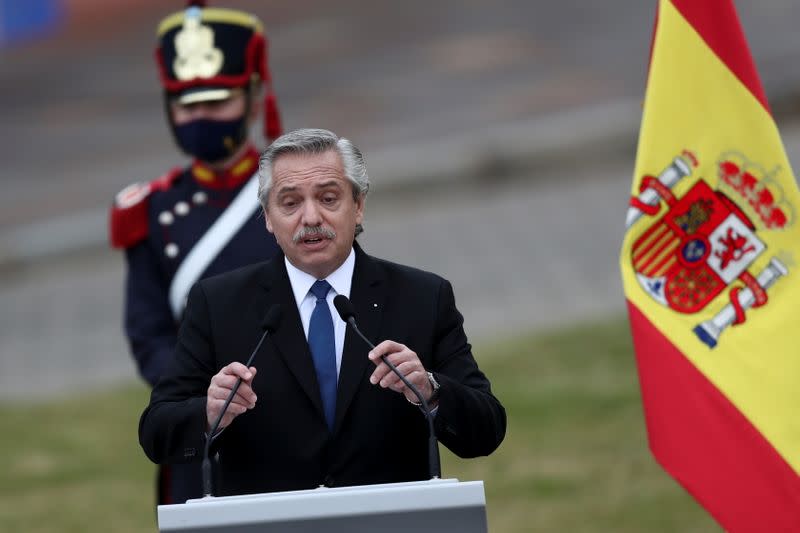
311 191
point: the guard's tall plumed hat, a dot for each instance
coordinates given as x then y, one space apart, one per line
204 52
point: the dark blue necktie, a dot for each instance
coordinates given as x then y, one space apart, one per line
323 349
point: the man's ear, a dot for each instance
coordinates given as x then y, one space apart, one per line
360 203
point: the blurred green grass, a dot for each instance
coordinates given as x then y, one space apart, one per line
575 457
74 465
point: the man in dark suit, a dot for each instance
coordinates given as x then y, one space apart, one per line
313 410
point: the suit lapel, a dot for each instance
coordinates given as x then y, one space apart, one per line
368 294
290 339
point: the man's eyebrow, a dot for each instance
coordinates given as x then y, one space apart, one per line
333 182
328 183
286 188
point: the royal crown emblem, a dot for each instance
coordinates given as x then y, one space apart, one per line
196 55
707 240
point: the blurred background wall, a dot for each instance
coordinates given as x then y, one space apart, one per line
500 136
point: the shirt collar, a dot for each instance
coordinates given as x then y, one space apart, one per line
340 279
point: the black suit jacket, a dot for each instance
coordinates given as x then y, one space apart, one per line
284 443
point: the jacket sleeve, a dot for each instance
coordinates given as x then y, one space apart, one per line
149 324
172 427
470 421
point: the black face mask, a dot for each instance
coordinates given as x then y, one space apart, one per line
211 140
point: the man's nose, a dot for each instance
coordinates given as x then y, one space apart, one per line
311 214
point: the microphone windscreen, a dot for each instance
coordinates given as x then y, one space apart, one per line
344 307
272 319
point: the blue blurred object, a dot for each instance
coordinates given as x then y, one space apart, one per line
28 19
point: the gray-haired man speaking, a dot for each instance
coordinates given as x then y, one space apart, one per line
318 407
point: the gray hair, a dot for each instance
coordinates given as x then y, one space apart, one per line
314 141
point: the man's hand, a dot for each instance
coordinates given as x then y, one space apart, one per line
221 386
407 363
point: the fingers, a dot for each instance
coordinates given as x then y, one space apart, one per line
221 396
238 370
411 370
214 408
220 388
222 385
396 353
407 363
386 348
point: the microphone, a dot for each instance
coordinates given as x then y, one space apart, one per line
269 324
348 313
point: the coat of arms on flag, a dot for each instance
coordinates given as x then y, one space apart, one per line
708 239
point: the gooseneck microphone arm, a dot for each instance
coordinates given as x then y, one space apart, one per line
347 313
269 324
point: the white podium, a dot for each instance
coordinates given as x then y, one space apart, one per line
440 505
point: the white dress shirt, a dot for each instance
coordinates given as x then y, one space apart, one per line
340 280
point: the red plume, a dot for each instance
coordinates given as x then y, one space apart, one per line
272 118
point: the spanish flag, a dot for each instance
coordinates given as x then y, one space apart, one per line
711 269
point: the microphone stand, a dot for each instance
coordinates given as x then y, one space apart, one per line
206 466
434 467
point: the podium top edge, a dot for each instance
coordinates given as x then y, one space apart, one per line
332 490
439 495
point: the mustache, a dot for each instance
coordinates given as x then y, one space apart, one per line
313 231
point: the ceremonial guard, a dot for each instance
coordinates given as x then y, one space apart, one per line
204 219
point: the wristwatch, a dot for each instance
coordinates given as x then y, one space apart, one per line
435 386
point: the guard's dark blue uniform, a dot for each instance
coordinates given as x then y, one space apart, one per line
158 224
206 58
